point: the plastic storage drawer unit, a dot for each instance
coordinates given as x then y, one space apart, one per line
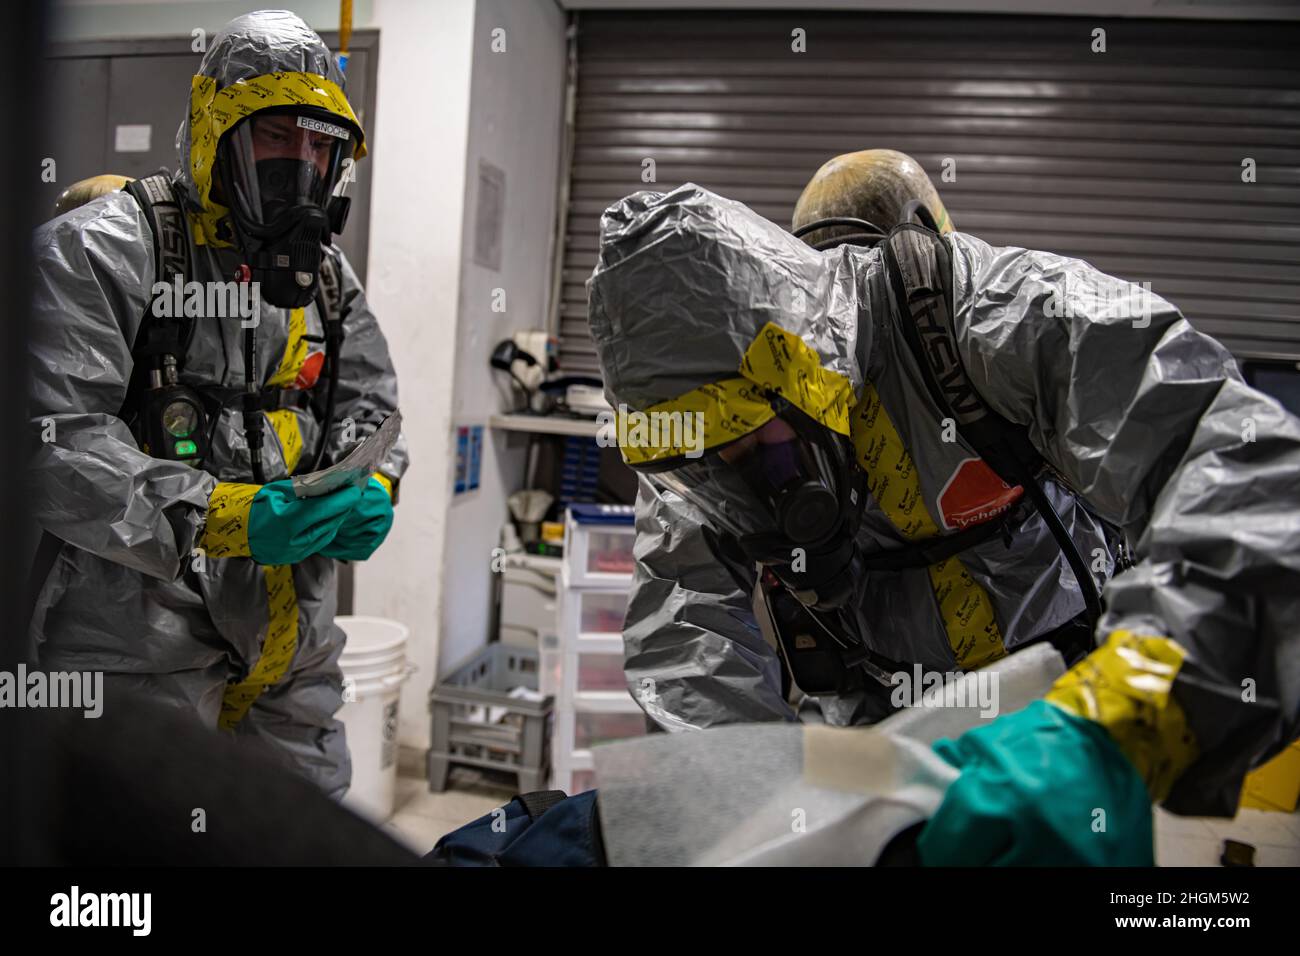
598 546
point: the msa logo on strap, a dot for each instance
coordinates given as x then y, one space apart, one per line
171 240
320 126
941 353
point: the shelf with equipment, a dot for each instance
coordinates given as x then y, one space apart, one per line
545 425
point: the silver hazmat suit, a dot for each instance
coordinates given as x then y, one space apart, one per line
1147 422
125 595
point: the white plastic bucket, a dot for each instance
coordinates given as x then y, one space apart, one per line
374 669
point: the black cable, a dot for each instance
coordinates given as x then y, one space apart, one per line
527 407
864 225
253 418
921 211
333 359
331 388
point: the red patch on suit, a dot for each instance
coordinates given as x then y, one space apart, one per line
975 494
310 371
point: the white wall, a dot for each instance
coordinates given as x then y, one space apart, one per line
418 152
445 101
515 124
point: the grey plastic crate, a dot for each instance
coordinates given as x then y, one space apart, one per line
519 743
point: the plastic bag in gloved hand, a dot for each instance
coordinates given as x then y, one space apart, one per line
789 794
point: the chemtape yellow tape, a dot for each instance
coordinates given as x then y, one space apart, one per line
892 479
295 352
777 363
782 362
225 534
1126 686
277 649
285 420
703 418
285 423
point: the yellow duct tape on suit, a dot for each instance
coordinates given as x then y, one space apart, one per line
285 420
780 364
225 529
1126 685
214 111
278 647
777 364
895 485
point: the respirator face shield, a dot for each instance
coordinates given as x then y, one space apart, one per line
788 493
280 170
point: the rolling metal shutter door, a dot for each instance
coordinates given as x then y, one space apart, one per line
1130 159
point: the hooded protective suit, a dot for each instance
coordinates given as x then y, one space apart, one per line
1146 423
135 591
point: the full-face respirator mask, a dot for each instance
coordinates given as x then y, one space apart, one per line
278 173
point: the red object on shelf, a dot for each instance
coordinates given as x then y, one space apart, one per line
612 562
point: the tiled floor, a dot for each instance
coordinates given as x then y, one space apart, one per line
422 817
1198 841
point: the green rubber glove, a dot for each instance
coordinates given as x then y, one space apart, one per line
269 524
366 527
285 529
1040 787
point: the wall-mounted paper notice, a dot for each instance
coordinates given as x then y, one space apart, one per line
132 138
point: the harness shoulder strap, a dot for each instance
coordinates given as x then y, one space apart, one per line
329 298
171 259
539 801
920 269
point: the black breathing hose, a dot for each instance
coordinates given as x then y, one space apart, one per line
332 343
253 419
